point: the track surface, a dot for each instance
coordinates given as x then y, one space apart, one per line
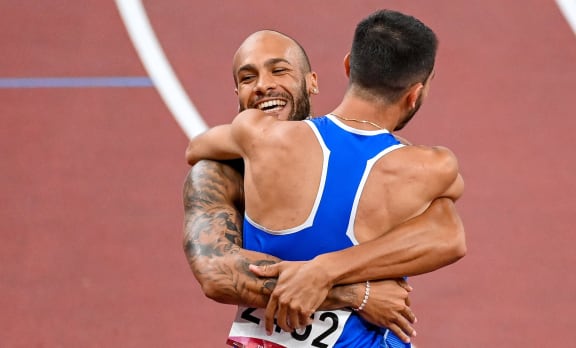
90 220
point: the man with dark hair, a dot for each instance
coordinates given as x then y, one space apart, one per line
409 48
367 186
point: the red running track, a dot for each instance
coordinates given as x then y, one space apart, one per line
91 178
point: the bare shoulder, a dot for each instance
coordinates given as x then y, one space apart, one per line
432 153
250 124
253 127
252 118
428 159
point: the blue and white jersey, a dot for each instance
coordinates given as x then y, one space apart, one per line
349 154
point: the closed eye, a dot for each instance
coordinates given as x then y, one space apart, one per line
246 78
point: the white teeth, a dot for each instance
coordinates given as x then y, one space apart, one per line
273 110
271 103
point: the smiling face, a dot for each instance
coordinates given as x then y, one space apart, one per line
272 75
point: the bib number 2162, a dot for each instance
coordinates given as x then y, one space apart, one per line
319 334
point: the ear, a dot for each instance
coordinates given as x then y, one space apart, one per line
312 82
236 91
412 95
347 64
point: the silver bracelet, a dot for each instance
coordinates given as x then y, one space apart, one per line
365 300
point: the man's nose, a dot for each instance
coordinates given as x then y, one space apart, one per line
265 82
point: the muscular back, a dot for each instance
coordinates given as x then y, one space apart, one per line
284 164
402 185
283 173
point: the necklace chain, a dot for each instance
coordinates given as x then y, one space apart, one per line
357 120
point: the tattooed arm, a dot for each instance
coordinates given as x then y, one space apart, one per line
213 197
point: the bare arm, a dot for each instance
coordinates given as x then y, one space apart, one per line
229 141
213 237
420 245
212 243
423 244
216 143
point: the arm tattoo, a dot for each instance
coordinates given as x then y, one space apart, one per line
213 195
213 198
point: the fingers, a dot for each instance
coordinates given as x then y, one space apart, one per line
265 270
406 287
409 315
404 333
402 326
305 319
293 321
284 319
404 284
289 319
284 316
270 314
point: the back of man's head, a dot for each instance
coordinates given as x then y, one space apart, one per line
390 52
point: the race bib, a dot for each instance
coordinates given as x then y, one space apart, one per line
248 330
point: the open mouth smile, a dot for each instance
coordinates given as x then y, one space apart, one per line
272 105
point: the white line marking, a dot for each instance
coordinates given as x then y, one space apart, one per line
142 35
568 9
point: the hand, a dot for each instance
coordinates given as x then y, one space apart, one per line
300 290
389 306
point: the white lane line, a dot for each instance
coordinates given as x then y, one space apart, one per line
568 9
142 35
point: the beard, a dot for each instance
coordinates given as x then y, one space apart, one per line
300 103
409 115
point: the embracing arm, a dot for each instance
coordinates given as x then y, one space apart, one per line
212 244
429 241
229 141
216 143
213 238
423 244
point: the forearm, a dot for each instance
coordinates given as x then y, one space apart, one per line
221 268
343 296
213 238
225 277
216 143
423 244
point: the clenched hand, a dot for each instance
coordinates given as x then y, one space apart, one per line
389 306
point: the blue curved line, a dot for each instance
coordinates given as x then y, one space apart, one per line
75 82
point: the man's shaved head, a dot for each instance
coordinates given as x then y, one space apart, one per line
272 73
266 34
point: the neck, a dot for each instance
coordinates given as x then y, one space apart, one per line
358 120
366 114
